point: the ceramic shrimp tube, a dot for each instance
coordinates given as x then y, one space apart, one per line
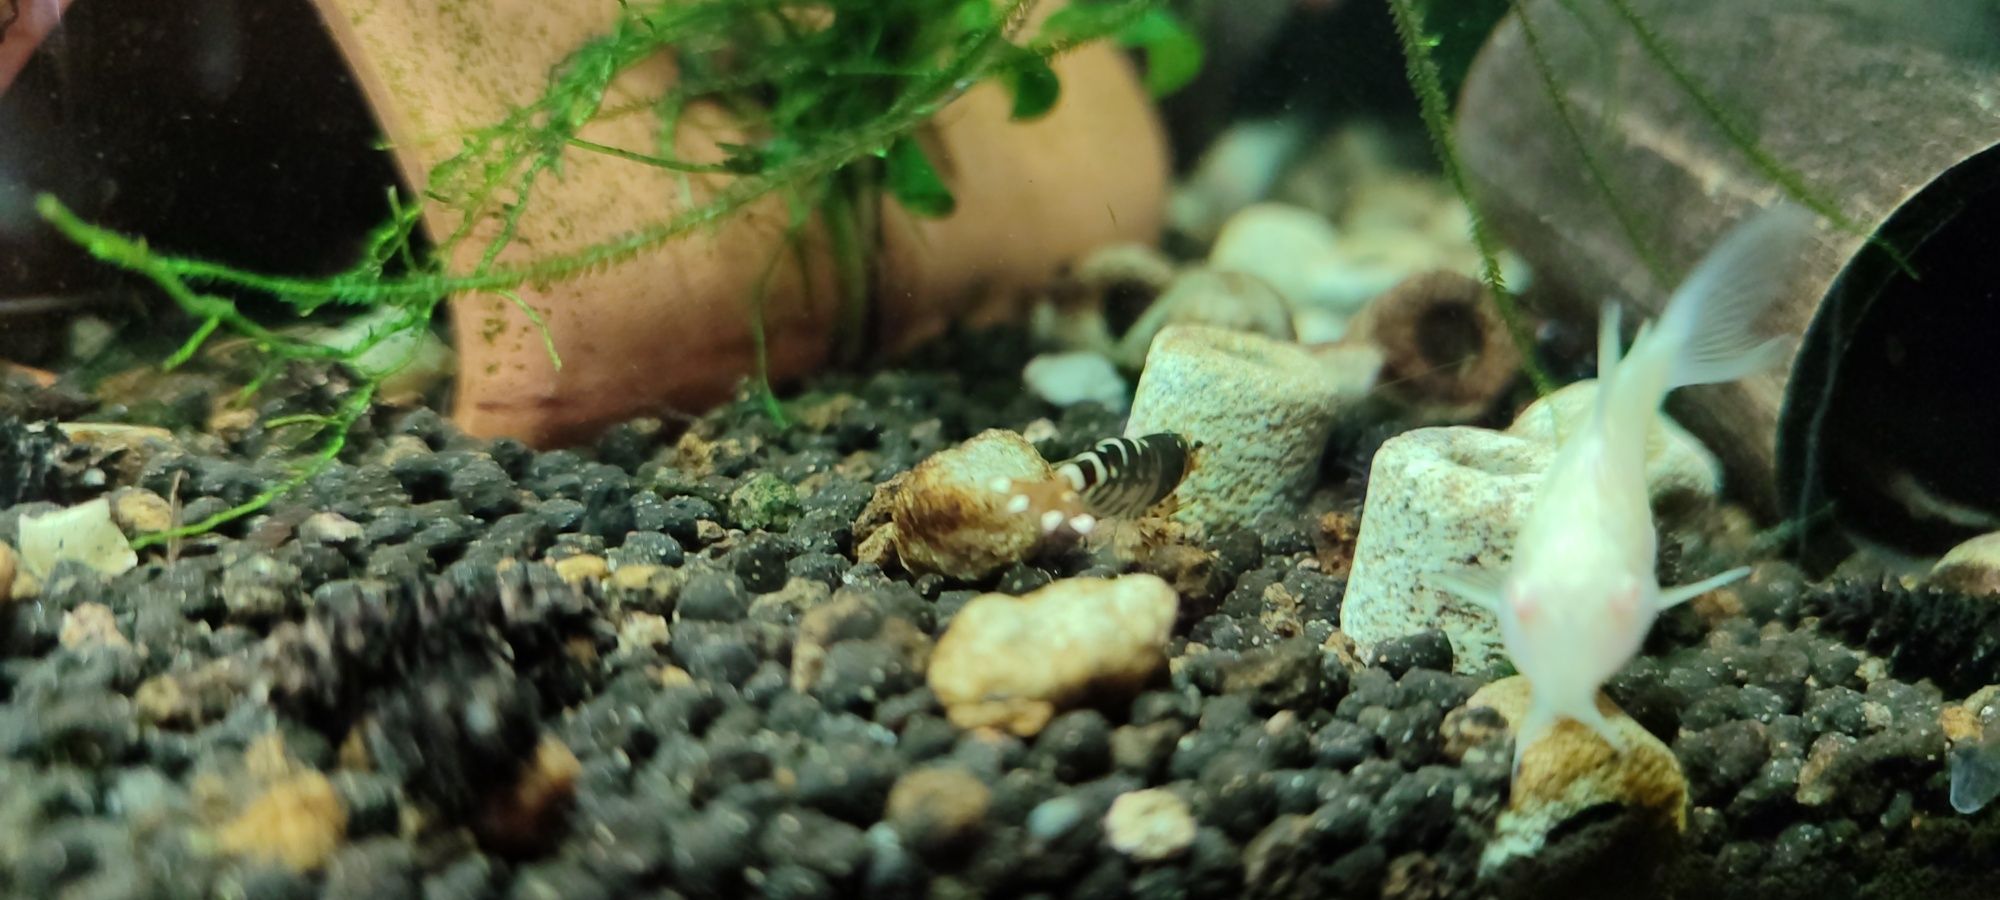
1258 410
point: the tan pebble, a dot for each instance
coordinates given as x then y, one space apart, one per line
329 528
1821 778
1149 825
7 570
140 511
91 624
1014 662
708 532
266 758
1972 567
1959 723
641 630
25 587
298 823
160 700
400 447
1333 542
675 676
1572 769
950 515
938 805
581 568
1876 715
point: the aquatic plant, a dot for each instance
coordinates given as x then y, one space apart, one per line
835 91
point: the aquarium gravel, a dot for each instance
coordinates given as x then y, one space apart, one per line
460 668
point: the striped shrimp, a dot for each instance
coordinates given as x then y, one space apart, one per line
1117 478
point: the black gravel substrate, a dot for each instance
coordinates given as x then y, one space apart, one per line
404 625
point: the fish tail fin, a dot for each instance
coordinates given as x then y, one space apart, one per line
1704 336
1707 322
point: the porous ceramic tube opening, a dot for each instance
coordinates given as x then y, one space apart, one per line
1891 428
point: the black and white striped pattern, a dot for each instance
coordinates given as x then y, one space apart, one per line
1123 477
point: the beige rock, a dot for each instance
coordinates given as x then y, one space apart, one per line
1571 770
1014 662
298 823
1149 825
948 516
582 568
938 805
91 624
1217 298
83 532
638 631
139 511
1972 567
8 566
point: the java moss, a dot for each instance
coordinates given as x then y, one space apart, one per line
1923 631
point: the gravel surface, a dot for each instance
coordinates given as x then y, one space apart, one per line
451 668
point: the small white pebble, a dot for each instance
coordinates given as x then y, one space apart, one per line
1149 825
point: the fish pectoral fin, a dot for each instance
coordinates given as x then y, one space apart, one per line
1673 597
1479 587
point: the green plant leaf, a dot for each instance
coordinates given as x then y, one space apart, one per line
915 183
1173 53
1034 86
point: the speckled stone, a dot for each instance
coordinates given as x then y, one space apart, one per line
1014 662
1438 499
1261 410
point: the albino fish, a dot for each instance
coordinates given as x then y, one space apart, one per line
1581 592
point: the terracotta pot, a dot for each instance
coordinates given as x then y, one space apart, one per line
669 329
34 20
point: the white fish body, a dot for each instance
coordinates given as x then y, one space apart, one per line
1581 593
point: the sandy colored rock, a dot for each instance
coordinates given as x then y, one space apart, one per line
1571 770
1014 662
139 511
1217 298
1149 825
298 822
1972 567
1261 410
938 805
949 515
8 567
581 569
91 625
83 532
